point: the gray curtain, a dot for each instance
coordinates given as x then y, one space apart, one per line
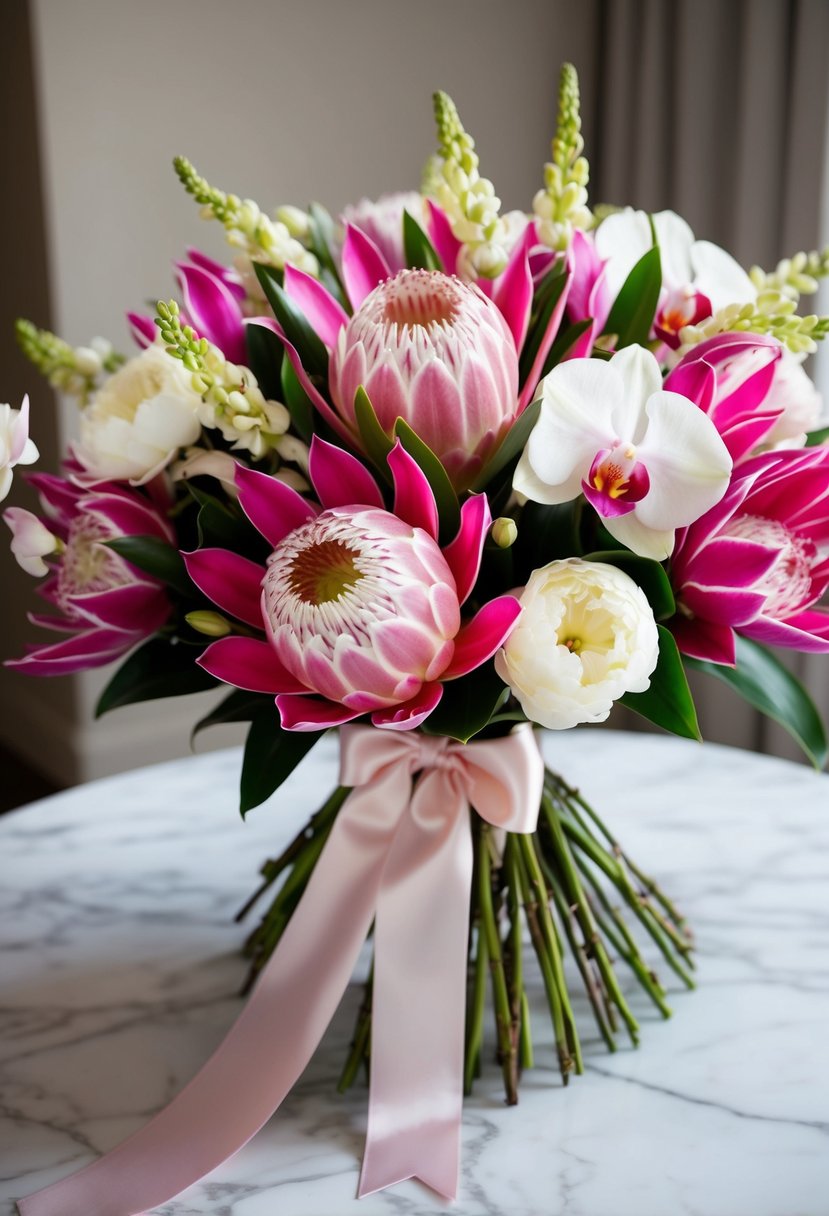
718 109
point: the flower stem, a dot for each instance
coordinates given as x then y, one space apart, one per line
361 1042
507 1044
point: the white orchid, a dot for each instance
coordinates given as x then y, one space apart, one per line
649 461
15 445
586 636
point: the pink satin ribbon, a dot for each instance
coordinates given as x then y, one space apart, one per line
399 855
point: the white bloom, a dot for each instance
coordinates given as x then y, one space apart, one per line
624 237
31 540
15 445
138 420
794 393
586 635
649 461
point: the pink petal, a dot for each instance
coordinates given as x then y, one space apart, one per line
704 640
225 274
733 560
213 311
411 713
56 493
232 582
514 289
463 554
695 380
248 663
312 713
131 516
58 624
94 648
325 316
531 384
447 245
808 631
480 638
414 501
723 605
271 506
363 265
142 328
140 608
742 437
340 480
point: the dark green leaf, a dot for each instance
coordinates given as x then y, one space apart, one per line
161 667
550 294
237 706
297 401
511 446
814 439
563 343
219 527
668 701
650 576
467 704
375 440
545 534
297 329
265 358
631 316
765 683
156 557
271 755
419 250
449 512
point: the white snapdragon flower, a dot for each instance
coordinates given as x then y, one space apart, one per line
31 540
586 636
15 445
136 423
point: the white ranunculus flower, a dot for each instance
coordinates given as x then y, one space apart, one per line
586 635
136 423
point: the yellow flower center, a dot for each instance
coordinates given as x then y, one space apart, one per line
324 572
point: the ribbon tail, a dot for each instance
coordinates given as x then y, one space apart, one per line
268 1046
418 1007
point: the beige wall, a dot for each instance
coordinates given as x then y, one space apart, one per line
324 99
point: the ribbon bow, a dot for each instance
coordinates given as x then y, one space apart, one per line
399 854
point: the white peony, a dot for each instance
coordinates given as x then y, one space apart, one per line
586 636
136 423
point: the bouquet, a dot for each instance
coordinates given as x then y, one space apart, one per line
432 476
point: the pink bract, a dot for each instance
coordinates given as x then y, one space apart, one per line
105 606
359 606
758 562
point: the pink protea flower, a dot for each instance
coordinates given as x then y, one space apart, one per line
758 562
106 606
382 222
360 608
436 352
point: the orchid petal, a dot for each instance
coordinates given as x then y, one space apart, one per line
478 640
232 582
621 240
719 276
675 240
248 663
641 378
339 478
414 500
272 507
646 542
363 265
687 461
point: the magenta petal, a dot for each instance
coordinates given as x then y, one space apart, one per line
694 379
340 480
808 631
213 311
414 500
699 639
531 383
58 624
142 328
442 237
732 559
131 516
742 437
363 265
514 290
225 274
463 554
723 605
248 663
94 648
480 638
272 507
411 713
134 607
232 582
57 493
312 713
319 307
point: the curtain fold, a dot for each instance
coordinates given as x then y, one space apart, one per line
719 111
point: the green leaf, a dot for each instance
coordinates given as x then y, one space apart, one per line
544 305
650 576
546 533
449 512
765 683
162 667
271 755
238 706
296 400
563 343
265 358
467 704
419 250
814 439
375 440
631 316
511 446
668 701
295 324
222 528
156 557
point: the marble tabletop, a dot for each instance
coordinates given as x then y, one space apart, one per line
119 969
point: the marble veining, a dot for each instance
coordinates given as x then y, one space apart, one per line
119 969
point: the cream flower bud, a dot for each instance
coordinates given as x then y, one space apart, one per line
586 636
504 532
31 541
